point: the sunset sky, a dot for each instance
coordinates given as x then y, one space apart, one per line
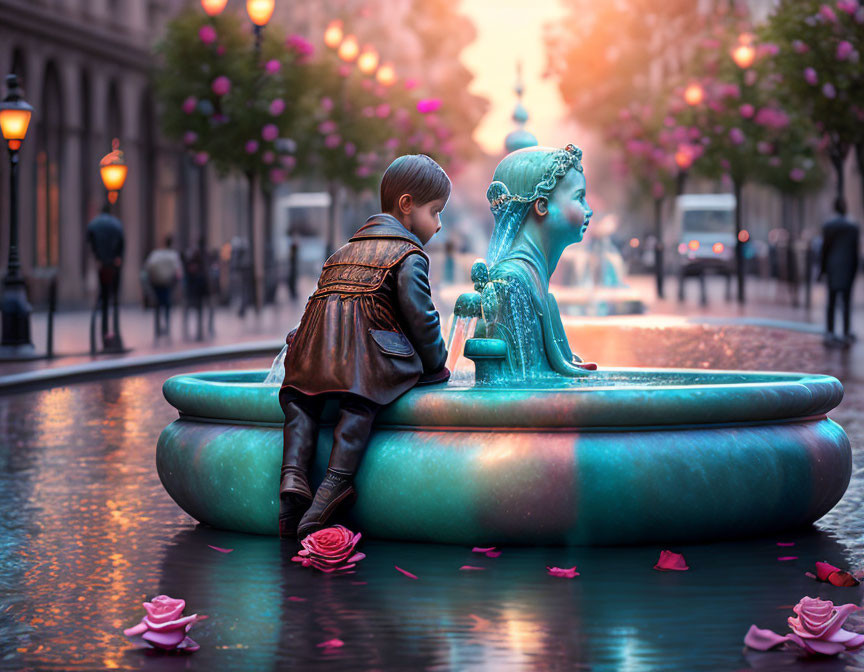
509 31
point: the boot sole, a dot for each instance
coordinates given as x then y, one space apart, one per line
307 529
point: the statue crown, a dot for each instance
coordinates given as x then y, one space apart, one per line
499 195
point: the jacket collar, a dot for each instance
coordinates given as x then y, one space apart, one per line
383 225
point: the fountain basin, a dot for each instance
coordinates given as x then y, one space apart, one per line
623 456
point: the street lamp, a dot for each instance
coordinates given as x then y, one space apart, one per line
744 54
15 115
113 170
213 7
259 12
333 34
386 75
367 61
694 94
349 49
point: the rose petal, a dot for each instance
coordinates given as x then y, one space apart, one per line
136 629
763 640
169 625
785 543
786 558
493 554
331 644
408 574
842 579
165 640
163 608
221 550
671 562
818 646
477 549
189 644
294 598
561 572
471 568
357 557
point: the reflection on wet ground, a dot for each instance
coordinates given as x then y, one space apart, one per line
88 533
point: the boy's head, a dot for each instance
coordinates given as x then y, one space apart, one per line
415 190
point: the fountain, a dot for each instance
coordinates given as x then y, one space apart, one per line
526 444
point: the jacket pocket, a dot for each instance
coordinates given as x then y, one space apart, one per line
392 343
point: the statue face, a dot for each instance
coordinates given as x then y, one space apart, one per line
569 212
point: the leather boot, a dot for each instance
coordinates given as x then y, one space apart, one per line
336 488
295 496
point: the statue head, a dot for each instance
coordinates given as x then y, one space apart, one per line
540 182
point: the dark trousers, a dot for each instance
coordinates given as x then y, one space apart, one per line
846 298
163 308
300 431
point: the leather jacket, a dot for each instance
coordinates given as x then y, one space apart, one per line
370 328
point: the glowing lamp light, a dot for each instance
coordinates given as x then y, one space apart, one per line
333 34
386 75
634 243
213 7
693 245
684 157
744 54
113 170
367 61
694 94
743 235
718 248
15 114
349 49
260 11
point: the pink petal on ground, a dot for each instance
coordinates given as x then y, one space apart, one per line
785 558
358 583
170 625
763 640
189 645
824 570
785 543
331 644
408 574
562 572
357 557
294 598
136 629
221 550
493 554
811 575
471 568
671 562
477 549
165 640
818 645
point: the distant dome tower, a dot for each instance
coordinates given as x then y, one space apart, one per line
519 138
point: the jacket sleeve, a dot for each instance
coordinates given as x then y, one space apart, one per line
419 317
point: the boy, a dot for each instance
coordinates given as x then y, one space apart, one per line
368 334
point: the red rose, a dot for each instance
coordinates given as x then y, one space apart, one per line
330 550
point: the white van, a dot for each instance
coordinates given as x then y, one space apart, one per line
703 234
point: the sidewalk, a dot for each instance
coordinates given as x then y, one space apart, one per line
263 333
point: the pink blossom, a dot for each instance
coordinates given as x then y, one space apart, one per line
829 91
251 146
189 137
272 66
270 132
562 573
750 77
163 627
671 562
768 49
800 47
326 127
326 104
771 117
332 141
301 46
411 83
277 107
382 111
344 70
221 85
797 174
366 171
747 110
730 91
427 105
268 157
368 111
201 158
277 176
350 149
220 50
189 104
828 14
288 162
330 550
736 135
848 6
392 143
207 34
844 50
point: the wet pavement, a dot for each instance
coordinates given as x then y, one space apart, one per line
88 533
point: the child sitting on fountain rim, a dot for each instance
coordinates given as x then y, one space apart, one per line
368 334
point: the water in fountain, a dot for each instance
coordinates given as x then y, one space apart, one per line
461 368
277 371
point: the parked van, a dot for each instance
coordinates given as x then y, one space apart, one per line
703 234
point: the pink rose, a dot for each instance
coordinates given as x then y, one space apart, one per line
251 146
736 136
811 77
270 132
277 107
848 6
332 141
189 105
818 627
747 110
221 85
844 50
427 105
272 66
797 174
330 550
300 45
828 14
561 572
207 34
163 627
382 111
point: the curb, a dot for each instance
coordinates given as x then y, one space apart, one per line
90 370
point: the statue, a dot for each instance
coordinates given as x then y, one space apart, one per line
538 199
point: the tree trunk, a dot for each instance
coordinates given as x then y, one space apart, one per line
739 244
859 157
658 246
838 153
250 274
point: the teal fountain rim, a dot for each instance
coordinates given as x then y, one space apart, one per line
611 398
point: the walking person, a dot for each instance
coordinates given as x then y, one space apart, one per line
840 260
106 239
164 269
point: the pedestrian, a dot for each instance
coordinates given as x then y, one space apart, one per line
840 260
196 285
164 269
293 253
106 239
369 333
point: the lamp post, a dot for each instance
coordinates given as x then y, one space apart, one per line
113 170
367 61
15 114
213 7
259 12
386 74
744 54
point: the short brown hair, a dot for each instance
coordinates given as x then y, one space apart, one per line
414 174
